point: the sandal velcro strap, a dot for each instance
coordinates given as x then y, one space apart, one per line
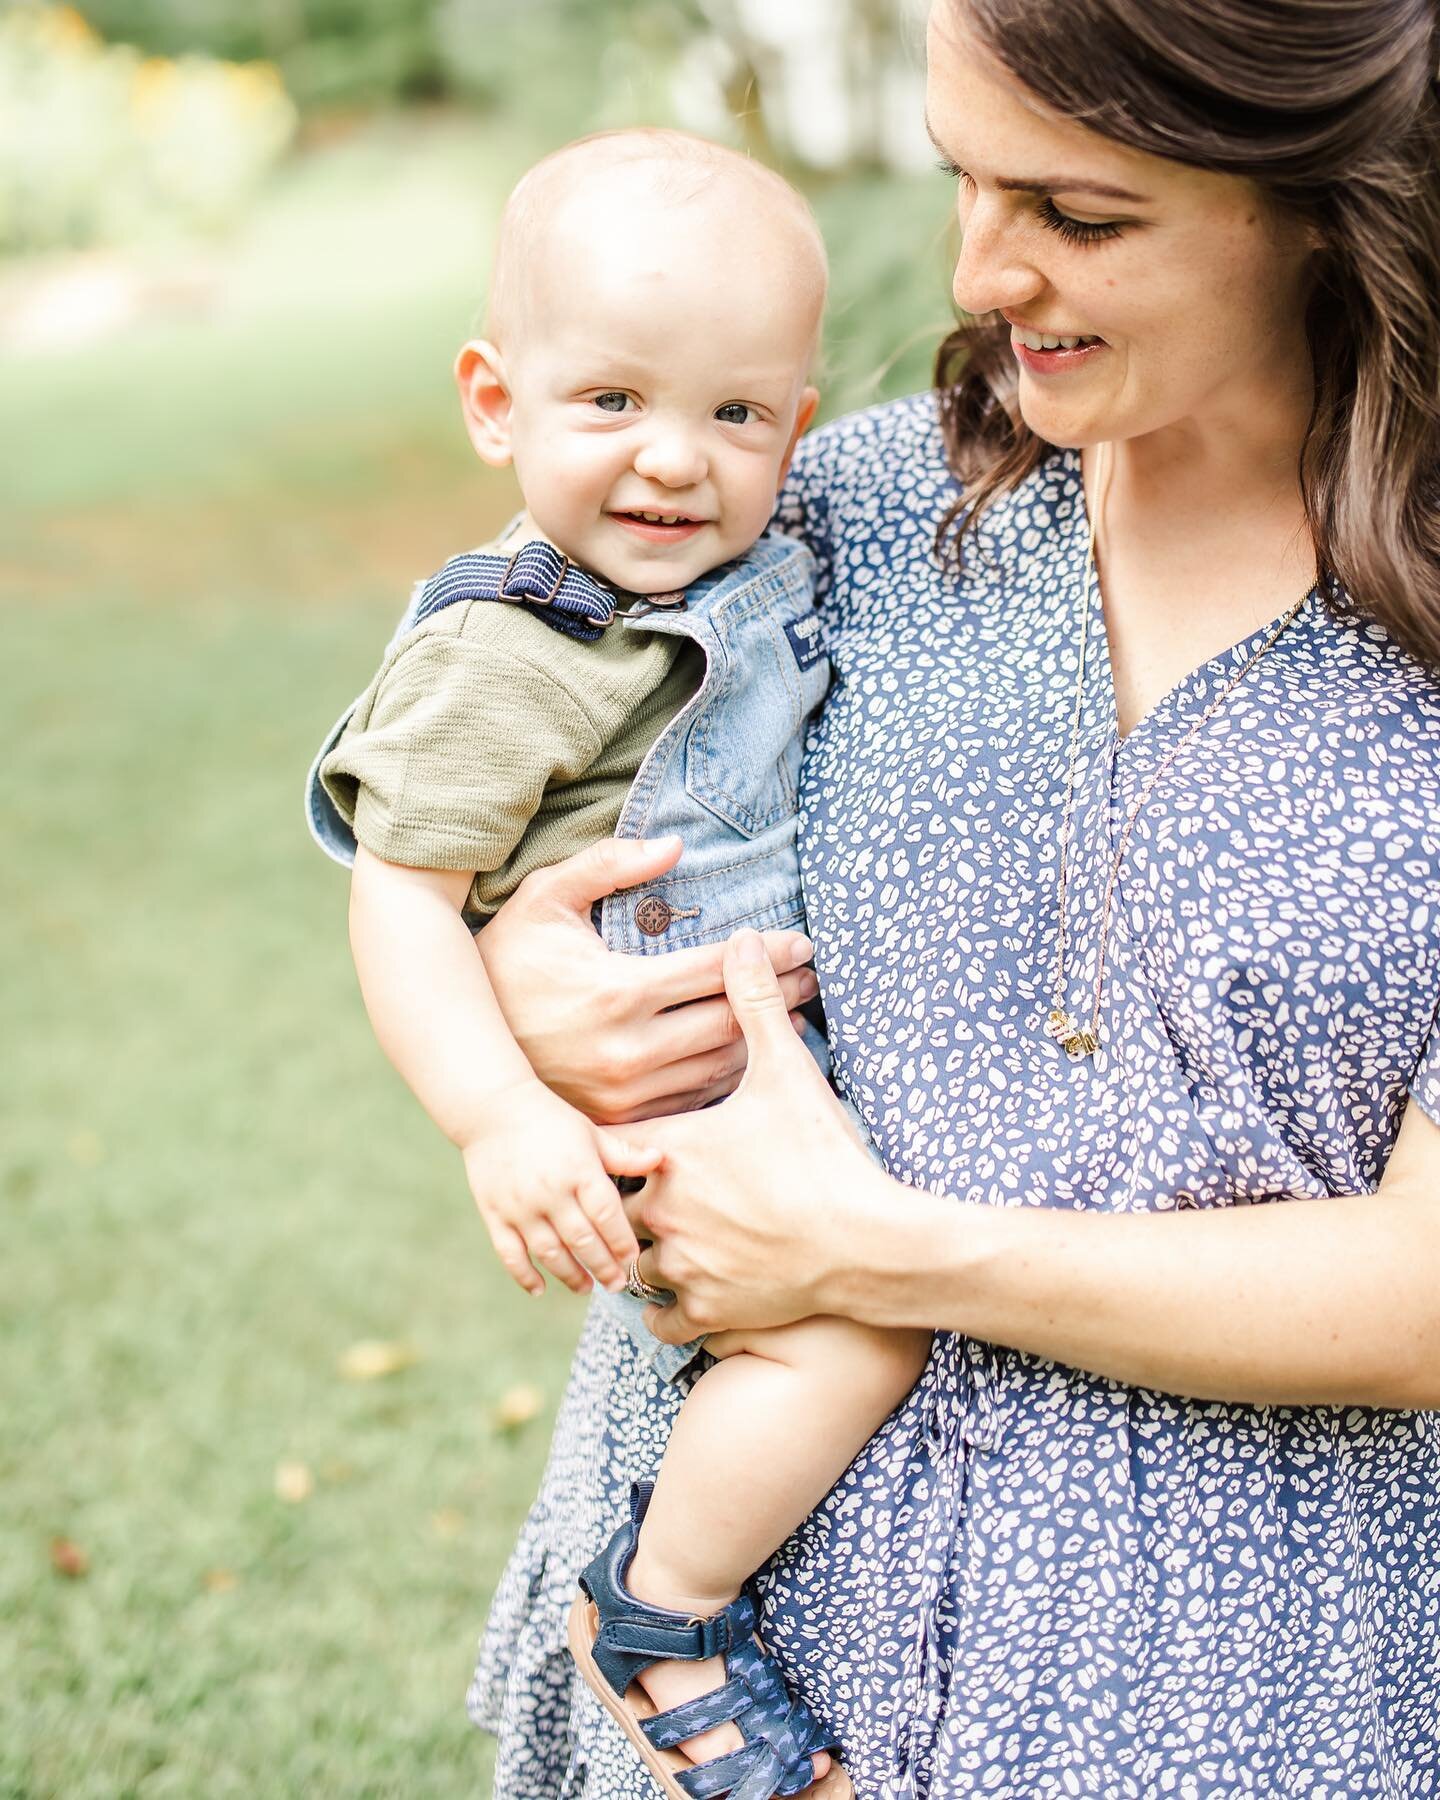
663 1640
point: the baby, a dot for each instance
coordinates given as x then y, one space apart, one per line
636 656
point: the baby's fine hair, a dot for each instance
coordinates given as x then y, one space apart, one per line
682 167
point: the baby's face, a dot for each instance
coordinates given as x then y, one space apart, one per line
657 388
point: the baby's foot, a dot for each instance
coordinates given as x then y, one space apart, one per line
670 1683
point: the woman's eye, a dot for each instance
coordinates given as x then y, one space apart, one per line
735 412
1076 231
612 403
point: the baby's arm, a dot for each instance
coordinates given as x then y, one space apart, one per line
536 1167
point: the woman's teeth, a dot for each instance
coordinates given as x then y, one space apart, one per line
1034 340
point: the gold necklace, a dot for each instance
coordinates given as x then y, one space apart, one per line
1077 1040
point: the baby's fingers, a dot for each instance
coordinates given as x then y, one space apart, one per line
510 1248
621 1157
546 1248
601 1233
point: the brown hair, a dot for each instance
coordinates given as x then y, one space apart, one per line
1332 111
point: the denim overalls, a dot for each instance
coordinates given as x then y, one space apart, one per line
722 774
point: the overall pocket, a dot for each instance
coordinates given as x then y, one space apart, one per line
742 755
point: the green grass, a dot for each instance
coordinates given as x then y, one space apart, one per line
211 1183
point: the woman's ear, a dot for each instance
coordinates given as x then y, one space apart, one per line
485 401
809 400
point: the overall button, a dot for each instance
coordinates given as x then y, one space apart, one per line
654 915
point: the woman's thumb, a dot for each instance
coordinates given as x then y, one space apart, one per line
755 997
604 867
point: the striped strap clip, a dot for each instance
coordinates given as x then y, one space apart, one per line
538 577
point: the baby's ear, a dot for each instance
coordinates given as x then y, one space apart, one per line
805 413
485 401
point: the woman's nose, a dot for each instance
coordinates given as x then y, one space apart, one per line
991 271
673 458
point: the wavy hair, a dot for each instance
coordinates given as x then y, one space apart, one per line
1332 111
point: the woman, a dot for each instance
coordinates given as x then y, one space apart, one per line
1122 869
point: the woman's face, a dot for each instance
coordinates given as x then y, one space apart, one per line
1186 290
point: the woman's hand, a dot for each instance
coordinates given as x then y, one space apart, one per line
620 1037
762 1205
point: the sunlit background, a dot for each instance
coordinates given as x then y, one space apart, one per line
269 1415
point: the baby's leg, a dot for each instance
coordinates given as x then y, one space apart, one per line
759 1442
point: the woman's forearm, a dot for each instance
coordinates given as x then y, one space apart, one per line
1325 1302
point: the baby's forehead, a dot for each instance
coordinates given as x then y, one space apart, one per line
628 209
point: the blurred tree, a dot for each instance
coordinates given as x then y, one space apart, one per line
827 84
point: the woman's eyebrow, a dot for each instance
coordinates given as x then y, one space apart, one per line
1050 184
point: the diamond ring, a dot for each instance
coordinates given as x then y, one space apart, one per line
640 1289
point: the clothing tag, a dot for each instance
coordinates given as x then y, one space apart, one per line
804 636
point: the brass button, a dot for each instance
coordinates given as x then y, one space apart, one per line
653 915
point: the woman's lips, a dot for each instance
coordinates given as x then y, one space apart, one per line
1055 362
660 533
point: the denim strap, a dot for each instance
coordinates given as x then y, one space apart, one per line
538 577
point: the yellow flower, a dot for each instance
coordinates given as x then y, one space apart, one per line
152 88
63 30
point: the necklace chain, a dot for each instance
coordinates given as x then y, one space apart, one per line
1084 1040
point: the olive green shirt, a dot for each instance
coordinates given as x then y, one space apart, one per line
491 742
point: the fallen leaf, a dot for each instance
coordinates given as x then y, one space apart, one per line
448 1522
293 1482
220 1581
68 1559
371 1359
517 1406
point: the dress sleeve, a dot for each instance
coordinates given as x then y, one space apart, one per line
449 752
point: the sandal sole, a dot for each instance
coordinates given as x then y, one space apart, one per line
627 1712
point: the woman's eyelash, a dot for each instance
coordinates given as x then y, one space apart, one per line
1074 231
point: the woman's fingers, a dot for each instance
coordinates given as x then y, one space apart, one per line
707 1026
684 975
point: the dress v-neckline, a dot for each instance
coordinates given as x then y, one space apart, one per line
1203 676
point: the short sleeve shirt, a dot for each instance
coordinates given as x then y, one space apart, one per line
490 742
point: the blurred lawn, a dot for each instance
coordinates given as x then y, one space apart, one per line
212 1184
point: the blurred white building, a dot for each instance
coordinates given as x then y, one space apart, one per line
837 82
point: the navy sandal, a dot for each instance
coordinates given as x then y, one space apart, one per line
613 1636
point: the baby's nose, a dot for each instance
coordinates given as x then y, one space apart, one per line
672 458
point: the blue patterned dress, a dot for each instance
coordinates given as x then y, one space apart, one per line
1033 1582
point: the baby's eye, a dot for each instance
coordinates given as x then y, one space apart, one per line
734 412
612 403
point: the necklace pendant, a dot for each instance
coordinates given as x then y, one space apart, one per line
1060 1025
1070 1035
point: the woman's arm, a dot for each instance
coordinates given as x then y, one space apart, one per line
765 1210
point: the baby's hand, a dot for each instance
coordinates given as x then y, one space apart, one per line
538 1171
